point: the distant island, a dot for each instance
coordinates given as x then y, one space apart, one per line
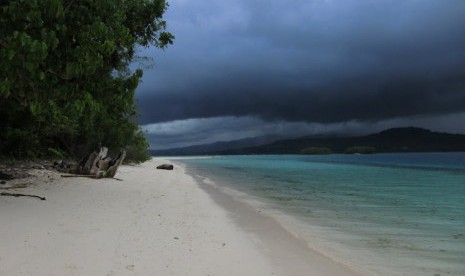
407 139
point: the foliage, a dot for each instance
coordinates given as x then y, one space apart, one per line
392 140
315 150
362 150
137 149
66 83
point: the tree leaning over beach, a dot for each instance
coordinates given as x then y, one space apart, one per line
65 84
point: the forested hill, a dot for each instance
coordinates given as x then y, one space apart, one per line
216 147
392 140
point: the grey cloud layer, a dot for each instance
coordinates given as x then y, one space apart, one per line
202 131
313 61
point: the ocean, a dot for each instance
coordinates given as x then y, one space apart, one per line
385 214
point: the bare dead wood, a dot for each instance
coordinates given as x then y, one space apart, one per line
18 195
104 163
87 176
114 164
78 175
98 165
87 163
95 165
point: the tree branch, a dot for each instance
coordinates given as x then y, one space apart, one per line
18 195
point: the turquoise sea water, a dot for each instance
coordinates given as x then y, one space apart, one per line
388 214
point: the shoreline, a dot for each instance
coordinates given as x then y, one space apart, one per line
287 250
153 222
365 218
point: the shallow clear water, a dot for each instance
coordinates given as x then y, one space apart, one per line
390 214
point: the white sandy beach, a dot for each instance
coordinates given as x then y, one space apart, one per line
153 222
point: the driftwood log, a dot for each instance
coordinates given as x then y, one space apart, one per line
98 165
18 195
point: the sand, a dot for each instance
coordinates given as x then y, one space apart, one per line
153 222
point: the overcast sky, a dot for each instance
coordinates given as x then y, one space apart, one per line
243 68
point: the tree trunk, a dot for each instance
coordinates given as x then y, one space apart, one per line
98 165
100 156
86 164
114 164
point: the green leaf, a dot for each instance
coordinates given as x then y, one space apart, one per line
11 54
69 74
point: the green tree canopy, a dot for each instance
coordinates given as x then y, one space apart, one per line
65 82
316 150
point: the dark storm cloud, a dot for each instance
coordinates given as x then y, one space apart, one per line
312 61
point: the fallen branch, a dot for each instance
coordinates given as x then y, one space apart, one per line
96 165
78 175
18 195
88 176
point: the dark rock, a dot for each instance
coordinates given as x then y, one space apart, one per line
3 182
165 167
